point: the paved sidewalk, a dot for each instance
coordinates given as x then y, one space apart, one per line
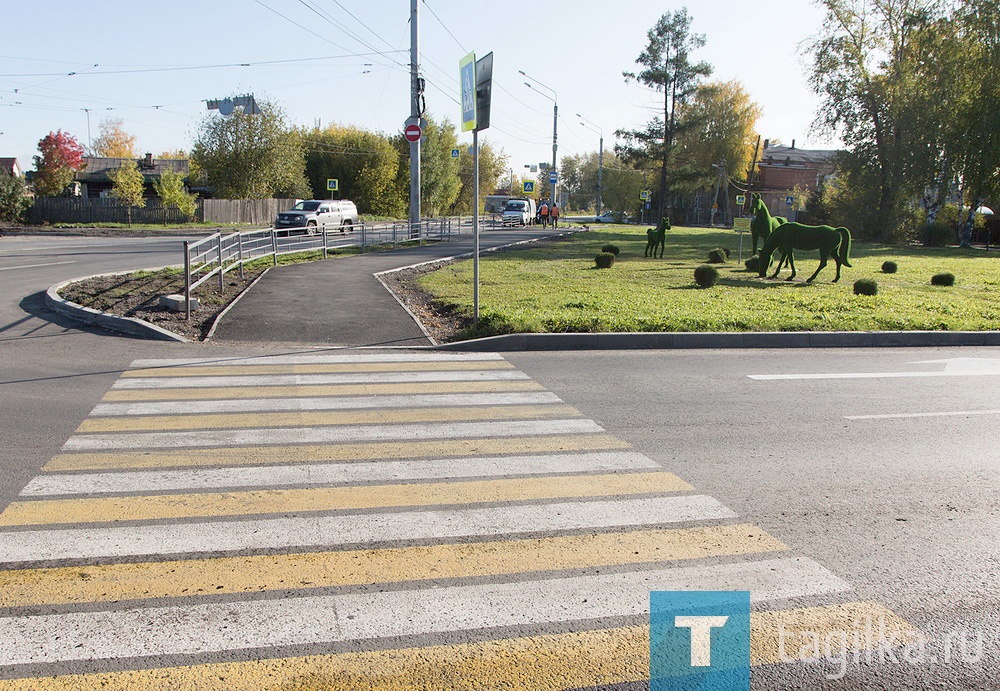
339 302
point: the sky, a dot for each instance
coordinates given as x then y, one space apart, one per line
154 65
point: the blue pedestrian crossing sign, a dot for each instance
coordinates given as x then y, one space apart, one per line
528 187
789 200
467 75
455 153
741 199
332 184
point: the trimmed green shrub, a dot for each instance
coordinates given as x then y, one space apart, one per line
938 235
889 267
752 264
604 260
945 279
865 286
706 276
613 249
717 256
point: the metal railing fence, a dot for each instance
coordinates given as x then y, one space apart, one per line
218 254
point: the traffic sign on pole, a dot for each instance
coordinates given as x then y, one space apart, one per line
412 133
553 177
528 187
467 75
332 184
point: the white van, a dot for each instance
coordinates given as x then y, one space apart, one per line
519 212
314 215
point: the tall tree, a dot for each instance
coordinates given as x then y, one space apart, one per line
128 184
723 121
251 156
61 156
492 174
859 69
364 163
114 141
668 69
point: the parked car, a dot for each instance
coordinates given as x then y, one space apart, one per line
314 215
612 217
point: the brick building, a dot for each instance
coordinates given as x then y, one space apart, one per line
783 168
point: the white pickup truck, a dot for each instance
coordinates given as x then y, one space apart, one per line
519 212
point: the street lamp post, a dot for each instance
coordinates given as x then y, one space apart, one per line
555 126
600 156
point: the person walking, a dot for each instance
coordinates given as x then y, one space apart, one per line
554 215
544 213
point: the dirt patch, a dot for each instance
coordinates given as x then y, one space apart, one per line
441 322
138 295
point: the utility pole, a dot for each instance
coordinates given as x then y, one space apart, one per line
600 157
416 110
555 128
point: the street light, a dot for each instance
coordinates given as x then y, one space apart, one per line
555 124
600 156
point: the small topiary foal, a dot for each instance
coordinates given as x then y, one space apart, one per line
657 237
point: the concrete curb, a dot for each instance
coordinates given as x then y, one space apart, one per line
677 340
126 325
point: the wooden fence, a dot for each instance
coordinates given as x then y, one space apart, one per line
258 212
101 210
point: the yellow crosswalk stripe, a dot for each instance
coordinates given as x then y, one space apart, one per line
141 508
338 417
312 453
538 663
221 371
312 390
258 573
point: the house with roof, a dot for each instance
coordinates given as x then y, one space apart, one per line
11 167
783 168
95 183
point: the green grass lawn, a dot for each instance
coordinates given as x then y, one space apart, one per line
555 287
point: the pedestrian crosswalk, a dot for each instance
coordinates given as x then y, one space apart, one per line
365 520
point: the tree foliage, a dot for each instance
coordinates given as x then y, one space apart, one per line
492 173
61 156
171 191
14 200
251 156
128 184
364 163
114 141
723 127
669 70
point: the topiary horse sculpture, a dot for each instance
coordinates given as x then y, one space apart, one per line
834 243
763 222
657 237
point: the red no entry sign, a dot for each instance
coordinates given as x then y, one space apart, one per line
412 133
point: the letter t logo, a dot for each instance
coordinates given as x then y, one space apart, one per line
701 636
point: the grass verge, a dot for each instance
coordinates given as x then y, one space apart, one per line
555 287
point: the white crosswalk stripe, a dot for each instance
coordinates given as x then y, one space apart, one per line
290 537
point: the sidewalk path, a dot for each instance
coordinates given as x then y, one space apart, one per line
339 301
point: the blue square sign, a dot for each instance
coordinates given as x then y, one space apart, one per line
699 641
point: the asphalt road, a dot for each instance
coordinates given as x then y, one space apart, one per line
879 467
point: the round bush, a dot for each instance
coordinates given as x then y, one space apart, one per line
706 276
752 264
889 267
613 249
717 256
945 279
604 260
865 286
938 235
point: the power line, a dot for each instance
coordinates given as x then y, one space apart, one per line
444 26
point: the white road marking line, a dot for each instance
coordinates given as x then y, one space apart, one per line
313 379
872 375
317 359
330 531
892 416
185 630
34 266
332 473
327 435
324 403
